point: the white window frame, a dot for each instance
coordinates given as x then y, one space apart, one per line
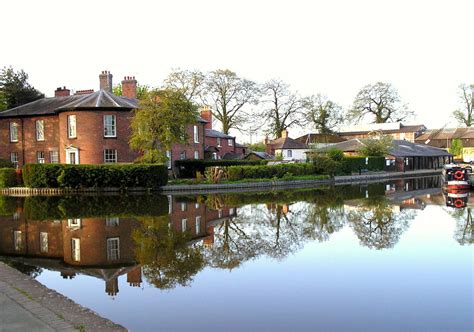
214 155
170 204
218 142
184 206
72 150
74 223
43 237
182 155
76 249
230 142
112 221
289 153
110 158
196 134
17 240
110 126
184 225
54 156
71 126
113 249
40 157
198 225
13 132
14 158
196 154
168 159
39 130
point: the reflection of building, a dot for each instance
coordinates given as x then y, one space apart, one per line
103 248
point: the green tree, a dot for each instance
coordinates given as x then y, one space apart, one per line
190 83
378 145
322 114
456 147
15 89
260 146
283 107
228 95
464 115
380 102
159 122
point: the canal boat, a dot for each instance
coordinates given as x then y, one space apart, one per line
456 198
455 176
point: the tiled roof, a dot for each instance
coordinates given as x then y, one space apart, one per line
287 143
215 133
446 133
403 129
319 138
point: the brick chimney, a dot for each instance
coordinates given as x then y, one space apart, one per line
105 79
284 133
129 87
62 92
206 114
84 92
134 277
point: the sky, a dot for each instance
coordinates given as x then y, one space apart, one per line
424 48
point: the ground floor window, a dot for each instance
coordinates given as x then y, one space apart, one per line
54 157
43 242
14 159
168 159
198 224
196 154
184 225
289 154
110 156
75 249
40 157
17 240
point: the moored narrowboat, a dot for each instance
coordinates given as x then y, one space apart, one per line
456 177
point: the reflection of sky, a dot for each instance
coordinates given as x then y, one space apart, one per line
424 283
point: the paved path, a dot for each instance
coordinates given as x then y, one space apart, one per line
27 305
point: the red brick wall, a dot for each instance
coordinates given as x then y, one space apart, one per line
191 146
224 148
90 136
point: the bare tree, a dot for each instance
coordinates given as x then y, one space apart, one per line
322 113
464 114
189 82
228 94
283 106
379 101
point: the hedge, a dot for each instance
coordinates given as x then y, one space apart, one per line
95 176
7 177
189 167
6 164
235 173
354 164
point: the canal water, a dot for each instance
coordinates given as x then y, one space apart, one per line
389 256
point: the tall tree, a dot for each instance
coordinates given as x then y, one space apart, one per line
228 94
322 113
189 82
15 89
283 106
380 102
158 123
142 90
464 115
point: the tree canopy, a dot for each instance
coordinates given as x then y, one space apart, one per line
322 114
377 145
15 89
142 90
464 115
189 82
380 102
160 122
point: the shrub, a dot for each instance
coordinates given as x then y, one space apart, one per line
6 164
280 171
335 154
354 164
95 176
190 167
7 177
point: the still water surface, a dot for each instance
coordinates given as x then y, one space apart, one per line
388 256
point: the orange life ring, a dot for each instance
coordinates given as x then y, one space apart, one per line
458 203
458 175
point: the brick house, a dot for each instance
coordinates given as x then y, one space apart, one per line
219 145
397 130
85 128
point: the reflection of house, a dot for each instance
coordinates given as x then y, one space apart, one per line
286 147
397 130
403 155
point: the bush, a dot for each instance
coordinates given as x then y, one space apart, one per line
354 164
7 177
335 154
190 167
6 164
280 171
95 176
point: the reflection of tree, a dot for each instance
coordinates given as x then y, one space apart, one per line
166 256
322 221
30 270
377 225
464 233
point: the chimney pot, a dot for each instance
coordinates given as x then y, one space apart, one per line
129 87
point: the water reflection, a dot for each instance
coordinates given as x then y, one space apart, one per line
169 240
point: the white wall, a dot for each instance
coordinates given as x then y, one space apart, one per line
296 154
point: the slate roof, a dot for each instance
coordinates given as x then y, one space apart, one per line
319 138
260 154
216 133
287 143
403 129
47 106
400 148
